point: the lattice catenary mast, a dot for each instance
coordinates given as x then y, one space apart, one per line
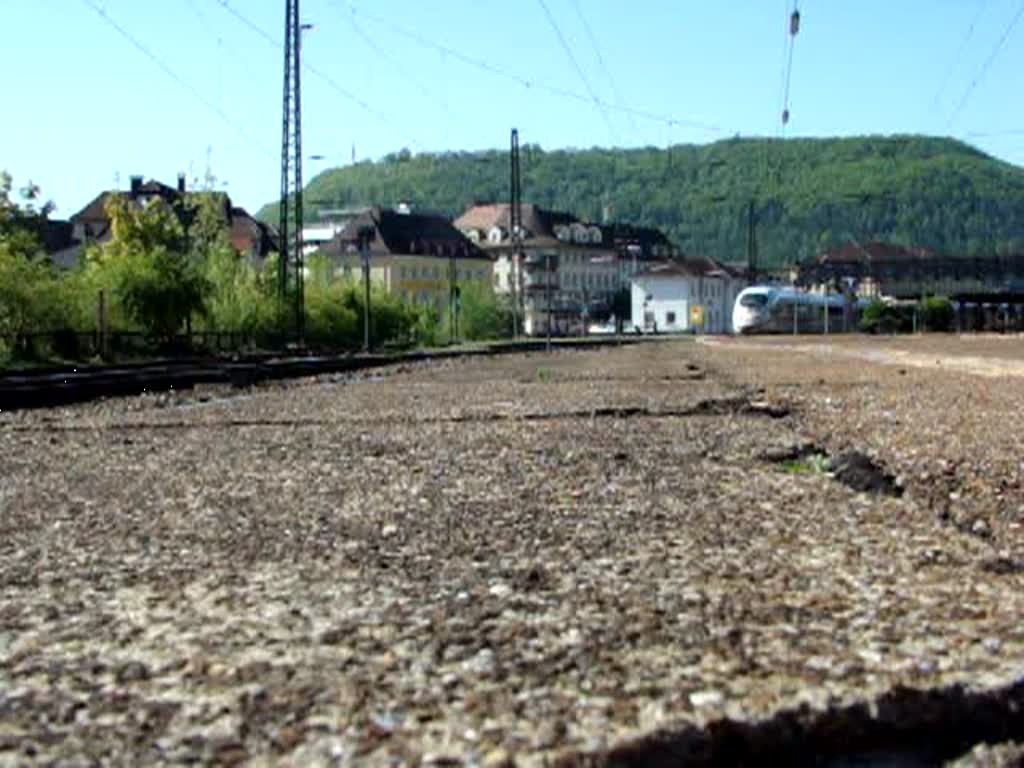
291 167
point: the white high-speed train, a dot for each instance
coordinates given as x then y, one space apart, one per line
781 309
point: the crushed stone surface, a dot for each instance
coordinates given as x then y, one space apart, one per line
499 561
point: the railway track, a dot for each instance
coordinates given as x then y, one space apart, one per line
46 388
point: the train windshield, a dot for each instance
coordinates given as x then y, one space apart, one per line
754 300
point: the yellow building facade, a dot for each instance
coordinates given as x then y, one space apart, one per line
418 258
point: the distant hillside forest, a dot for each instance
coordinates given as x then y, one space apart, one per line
808 194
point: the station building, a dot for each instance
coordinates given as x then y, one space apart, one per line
987 291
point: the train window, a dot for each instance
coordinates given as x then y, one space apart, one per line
755 301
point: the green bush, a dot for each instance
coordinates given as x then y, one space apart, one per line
482 315
334 316
332 320
426 328
937 314
882 317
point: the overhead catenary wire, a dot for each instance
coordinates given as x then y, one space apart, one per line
530 83
579 70
944 84
321 74
782 68
372 44
794 29
986 65
178 79
600 57
205 24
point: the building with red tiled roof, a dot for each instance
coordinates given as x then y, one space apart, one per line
569 268
249 236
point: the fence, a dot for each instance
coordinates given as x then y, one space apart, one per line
119 345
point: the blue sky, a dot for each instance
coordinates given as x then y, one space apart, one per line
82 104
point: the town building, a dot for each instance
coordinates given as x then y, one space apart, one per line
685 295
884 269
562 271
987 291
638 248
66 241
418 257
331 222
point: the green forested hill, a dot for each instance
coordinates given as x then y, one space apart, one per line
809 193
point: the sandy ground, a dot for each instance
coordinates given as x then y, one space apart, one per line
520 559
980 354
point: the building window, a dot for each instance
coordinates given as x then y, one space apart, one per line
670 318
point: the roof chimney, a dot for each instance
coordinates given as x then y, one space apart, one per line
181 183
136 185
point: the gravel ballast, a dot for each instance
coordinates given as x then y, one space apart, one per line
567 558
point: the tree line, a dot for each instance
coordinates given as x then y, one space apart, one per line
807 194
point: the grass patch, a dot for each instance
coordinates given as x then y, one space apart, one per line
814 464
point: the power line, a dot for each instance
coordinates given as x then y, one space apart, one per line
959 55
145 51
528 83
205 24
398 65
330 81
600 59
794 29
579 69
994 134
782 68
201 17
985 67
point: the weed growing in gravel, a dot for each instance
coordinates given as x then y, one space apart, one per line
815 464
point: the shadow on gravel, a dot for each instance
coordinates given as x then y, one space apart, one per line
905 727
859 472
854 469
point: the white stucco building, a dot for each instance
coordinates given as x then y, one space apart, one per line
689 295
573 264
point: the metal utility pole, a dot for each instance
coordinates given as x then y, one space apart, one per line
516 229
291 168
453 292
752 241
366 234
547 295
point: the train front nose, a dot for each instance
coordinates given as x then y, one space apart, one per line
744 319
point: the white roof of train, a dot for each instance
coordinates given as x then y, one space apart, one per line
789 295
